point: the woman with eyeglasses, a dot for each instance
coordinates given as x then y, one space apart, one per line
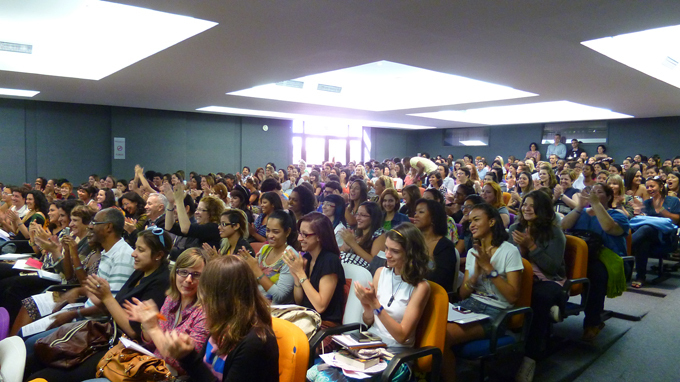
269 202
234 232
394 303
207 215
149 281
318 282
182 307
367 240
646 236
333 207
242 345
271 272
538 236
358 193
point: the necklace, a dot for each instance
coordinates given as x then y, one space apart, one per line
394 291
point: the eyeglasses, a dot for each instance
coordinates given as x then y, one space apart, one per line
184 274
306 235
158 231
223 224
466 207
97 223
328 204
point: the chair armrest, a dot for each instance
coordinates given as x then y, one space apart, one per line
413 354
21 244
629 270
584 293
501 322
323 333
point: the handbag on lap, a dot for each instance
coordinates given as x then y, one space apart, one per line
75 342
121 364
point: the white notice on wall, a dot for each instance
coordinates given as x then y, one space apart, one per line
118 148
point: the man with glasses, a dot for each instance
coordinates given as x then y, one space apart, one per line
116 263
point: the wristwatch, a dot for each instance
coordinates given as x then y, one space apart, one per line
379 310
492 275
302 280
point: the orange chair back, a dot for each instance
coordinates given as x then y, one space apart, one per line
506 198
431 330
576 261
526 287
293 351
257 246
422 191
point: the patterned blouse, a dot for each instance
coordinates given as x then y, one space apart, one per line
352 258
190 321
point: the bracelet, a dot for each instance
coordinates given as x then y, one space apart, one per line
171 210
469 286
80 268
379 310
78 313
260 276
297 286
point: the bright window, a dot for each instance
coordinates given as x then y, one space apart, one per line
318 141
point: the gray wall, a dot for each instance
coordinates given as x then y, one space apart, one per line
73 141
648 136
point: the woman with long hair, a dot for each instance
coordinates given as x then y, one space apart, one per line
301 202
319 281
239 199
269 202
333 207
491 285
430 218
622 201
87 193
368 239
646 237
207 215
358 193
271 272
37 212
634 184
181 302
492 194
105 199
394 303
539 238
673 184
524 186
546 176
242 345
234 232
389 203
410 194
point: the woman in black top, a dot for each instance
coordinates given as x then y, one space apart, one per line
242 345
430 218
149 281
318 283
207 215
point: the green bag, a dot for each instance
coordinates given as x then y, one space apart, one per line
616 284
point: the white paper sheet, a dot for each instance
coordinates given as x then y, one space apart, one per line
134 346
464 318
49 276
21 265
14 256
45 303
38 326
329 358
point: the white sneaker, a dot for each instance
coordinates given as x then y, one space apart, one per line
555 313
526 370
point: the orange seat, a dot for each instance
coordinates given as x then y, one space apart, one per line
576 262
422 191
431 330
524 300
293 351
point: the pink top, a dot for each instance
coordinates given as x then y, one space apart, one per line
533 154
191 321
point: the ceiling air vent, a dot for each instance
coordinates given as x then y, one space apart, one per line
291 84
670 62
15 48
329 88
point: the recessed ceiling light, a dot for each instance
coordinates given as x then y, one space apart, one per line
655 52
18 92
86 39
381 86
472 143
292 116
557 111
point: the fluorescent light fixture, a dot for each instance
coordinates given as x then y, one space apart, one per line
381 86
18 92
473 143
279 115
556 111
655 52
87 39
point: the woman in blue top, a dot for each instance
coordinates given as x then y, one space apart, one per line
647 237
612 225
